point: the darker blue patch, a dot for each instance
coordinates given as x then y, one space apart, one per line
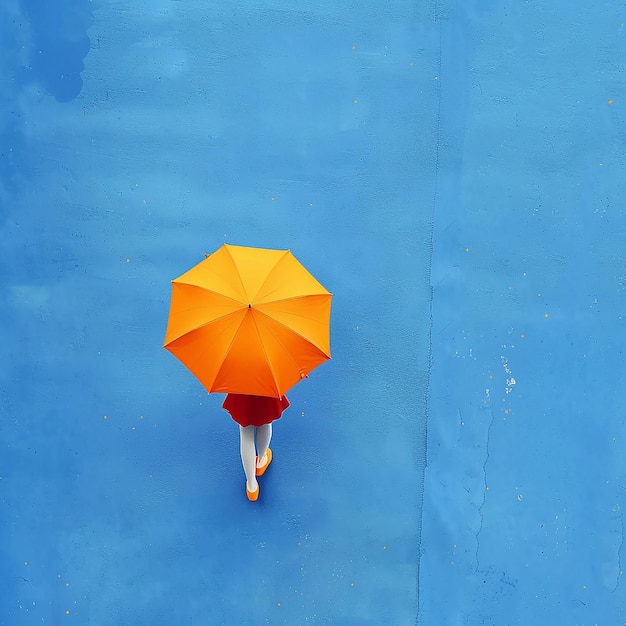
59 45
11 140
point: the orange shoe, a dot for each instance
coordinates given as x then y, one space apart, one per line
252 495
261 470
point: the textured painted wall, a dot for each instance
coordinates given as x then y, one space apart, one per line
449 165
275 124
524 488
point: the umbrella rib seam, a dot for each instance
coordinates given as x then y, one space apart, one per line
267 356
207 323
290 298
291 330
269 273
230 345
213 291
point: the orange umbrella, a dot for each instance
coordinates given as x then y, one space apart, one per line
249 320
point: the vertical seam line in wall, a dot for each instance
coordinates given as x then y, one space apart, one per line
423 424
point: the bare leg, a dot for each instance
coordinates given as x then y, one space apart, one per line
263 438
248 455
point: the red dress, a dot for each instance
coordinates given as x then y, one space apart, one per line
254 410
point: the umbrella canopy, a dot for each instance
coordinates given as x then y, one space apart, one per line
249 320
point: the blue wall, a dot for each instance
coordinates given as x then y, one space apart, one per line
276 125
524 487
454 173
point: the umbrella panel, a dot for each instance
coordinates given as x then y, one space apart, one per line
192 307
307 316
288 279
202 350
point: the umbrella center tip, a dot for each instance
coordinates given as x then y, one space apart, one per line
249 306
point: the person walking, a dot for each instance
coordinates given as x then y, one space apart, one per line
255 415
